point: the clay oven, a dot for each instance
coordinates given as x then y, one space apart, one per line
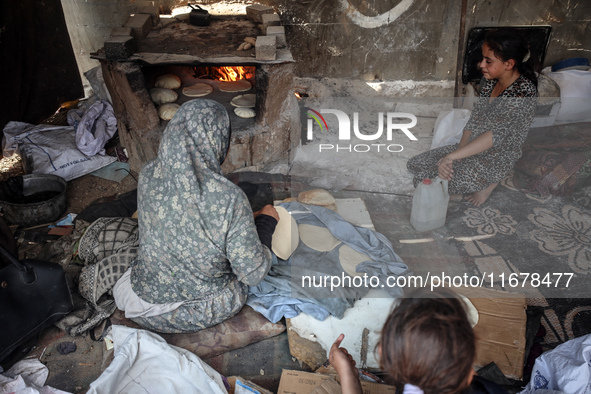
196 54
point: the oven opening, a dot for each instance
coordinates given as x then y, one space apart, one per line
232 86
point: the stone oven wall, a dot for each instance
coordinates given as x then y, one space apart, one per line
131 60
266 140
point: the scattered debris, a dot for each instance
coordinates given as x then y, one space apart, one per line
66 347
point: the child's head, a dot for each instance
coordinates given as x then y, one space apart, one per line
508 45
429 342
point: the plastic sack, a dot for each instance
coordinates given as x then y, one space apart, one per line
575 95
565 369
47 149
96 127
97 82
449 127
145 363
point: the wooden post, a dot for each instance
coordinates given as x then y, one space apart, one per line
137 120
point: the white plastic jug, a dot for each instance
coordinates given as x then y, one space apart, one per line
429 204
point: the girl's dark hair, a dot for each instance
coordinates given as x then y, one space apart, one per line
507 44
429 342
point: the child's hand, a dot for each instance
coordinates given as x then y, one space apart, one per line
344 364
445 168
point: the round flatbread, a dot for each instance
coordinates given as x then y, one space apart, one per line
168 81
316 197
242 85
286 236
317 238
349 259
167 111
162 96
197 90
244 100
245 112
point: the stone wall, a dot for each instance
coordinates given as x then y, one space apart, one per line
371 40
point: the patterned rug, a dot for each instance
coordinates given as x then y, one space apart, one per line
540 247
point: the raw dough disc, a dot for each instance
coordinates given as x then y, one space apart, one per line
167 111
242 85
162 96
471 311
168 81
285 237
317 238
245 112
244 100
349 259
197 90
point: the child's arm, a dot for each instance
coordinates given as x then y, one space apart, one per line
465 138
478 145
344 364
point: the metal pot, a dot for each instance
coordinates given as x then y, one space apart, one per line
198 16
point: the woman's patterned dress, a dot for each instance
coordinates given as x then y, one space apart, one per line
198 241
508 116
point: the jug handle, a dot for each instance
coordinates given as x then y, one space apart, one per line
444 184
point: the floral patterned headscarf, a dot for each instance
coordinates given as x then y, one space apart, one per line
196 227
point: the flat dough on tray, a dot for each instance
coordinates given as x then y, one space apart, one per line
286 236
244 100
317 238
197 90
349 259
242 85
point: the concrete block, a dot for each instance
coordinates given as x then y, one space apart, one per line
153 11
140 24
266 48
255 12
121 31
279 32
119 47
270 20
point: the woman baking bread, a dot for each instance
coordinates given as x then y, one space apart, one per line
200 248
493 137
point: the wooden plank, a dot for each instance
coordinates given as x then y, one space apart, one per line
137 120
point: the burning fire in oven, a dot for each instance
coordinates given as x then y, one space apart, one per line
225 73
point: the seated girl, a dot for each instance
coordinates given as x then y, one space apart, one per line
427 346
493 137
199 247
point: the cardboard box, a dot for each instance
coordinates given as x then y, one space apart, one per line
500 331
232 381
298 382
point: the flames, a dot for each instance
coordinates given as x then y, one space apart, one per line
235 73
225 73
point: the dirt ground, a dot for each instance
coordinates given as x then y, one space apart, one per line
81 192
